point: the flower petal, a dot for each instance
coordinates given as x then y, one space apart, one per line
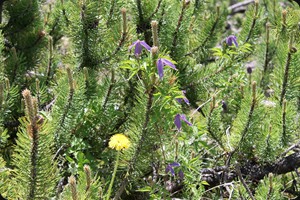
169 63
181 174
174 164
185 99
183 117
138 49
172 171
133 44
177 121
235 42
144 44
169 168
179 100
230 40
160 68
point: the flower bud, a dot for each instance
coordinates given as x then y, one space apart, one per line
284 12
29 106
124 20
87 171
249 70
73 187
154 26
70 78
154 50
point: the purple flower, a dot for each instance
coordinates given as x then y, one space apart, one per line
224 105
250 67
179 100
181 174
160 66
178 119
230 40
139 47
170 167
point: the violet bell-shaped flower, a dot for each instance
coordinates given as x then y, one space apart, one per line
179 100
170 167
160 66
178 119
230 40
138 45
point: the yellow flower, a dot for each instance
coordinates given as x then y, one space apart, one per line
119 142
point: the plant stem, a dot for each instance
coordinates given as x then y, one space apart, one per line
238 171
285 78
113 176
175 37
253 21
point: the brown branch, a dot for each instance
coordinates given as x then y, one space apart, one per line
238 170
238 6
175 34
253 171
155 11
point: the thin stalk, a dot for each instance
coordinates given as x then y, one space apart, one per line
209 125
33 134
111 12
64 13
253 21
211 32
155 11
113 176
286 74
249 119
122 39
284 138
140 143
33 163
1 9
238 171
270 187
69 102
112 82
175 34
50 59
263 82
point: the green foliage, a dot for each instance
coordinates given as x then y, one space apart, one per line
269 188
237 103
87 186
46 172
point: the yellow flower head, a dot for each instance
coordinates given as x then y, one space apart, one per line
119 142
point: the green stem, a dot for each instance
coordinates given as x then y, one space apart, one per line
113 176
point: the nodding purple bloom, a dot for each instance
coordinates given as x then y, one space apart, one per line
250 67
170 167
230 40
181 174
249 70
178 119
139 47
179 100
224 105
160 66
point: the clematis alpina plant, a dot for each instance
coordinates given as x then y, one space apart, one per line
178 119
170 168
179 100
231 40
138 47
161 62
